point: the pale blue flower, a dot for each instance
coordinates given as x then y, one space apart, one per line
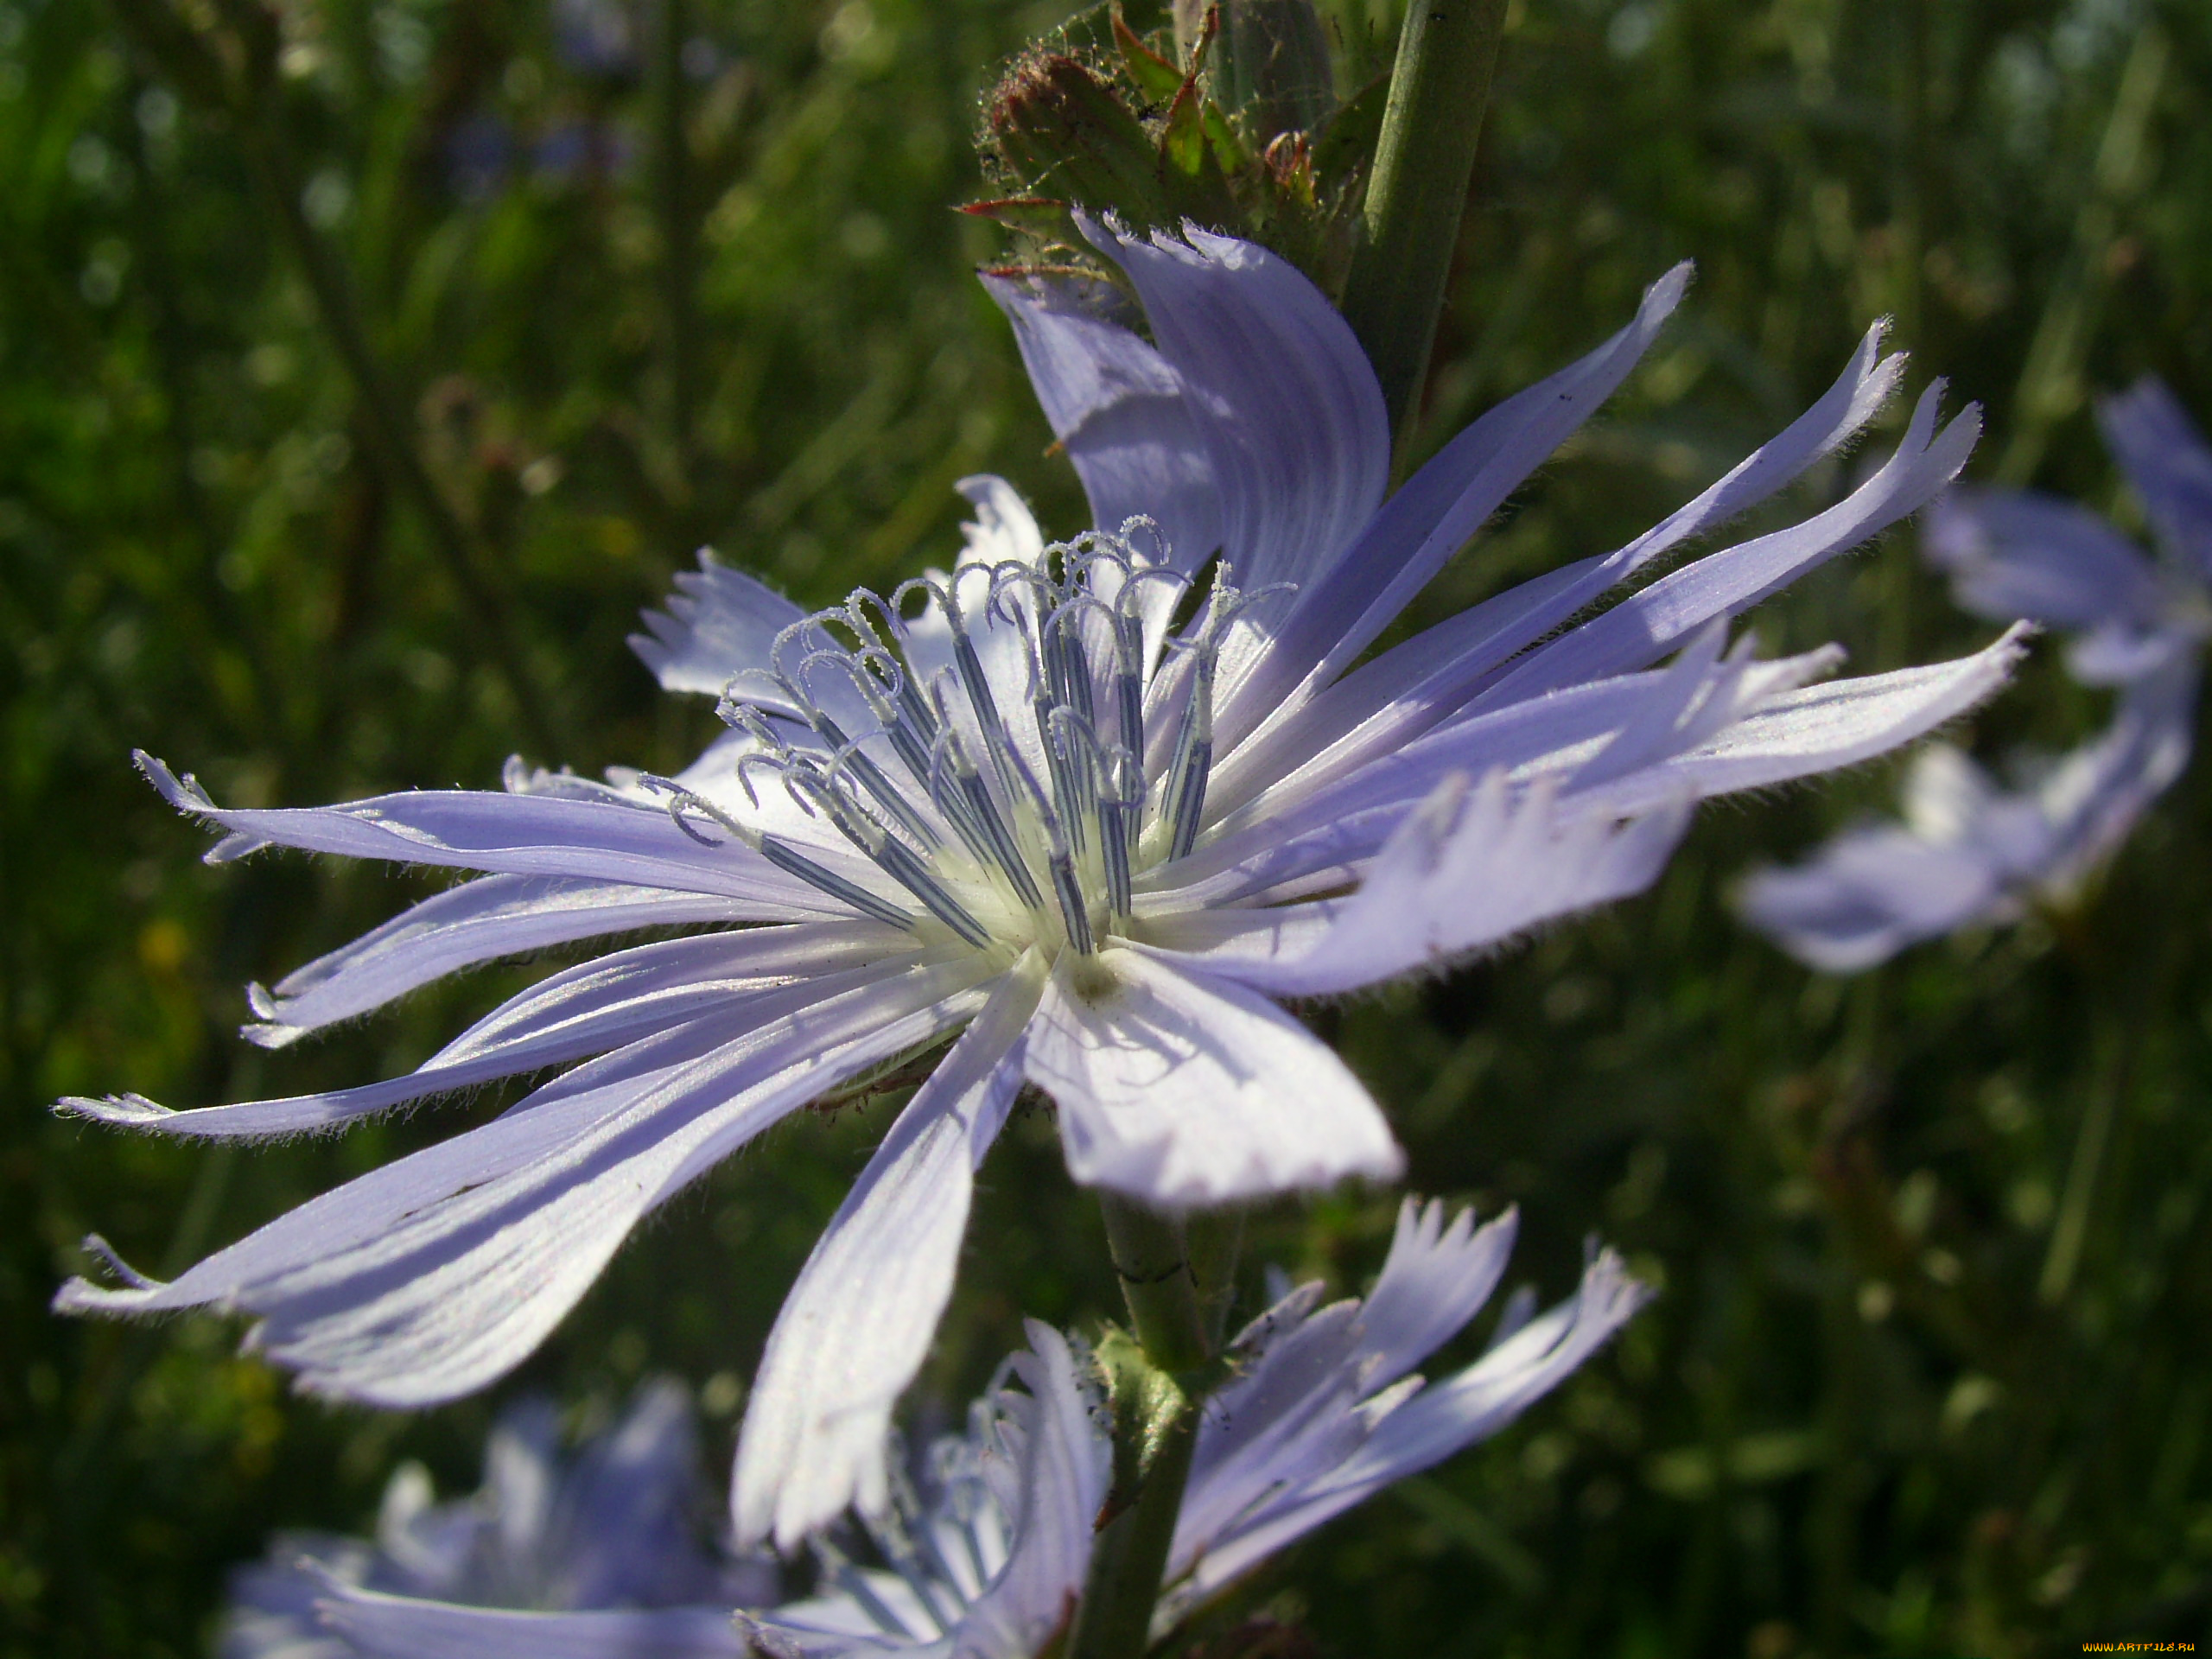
615 1524
1969 852
1324 1411
1020 800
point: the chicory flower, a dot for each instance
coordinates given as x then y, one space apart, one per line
1022 800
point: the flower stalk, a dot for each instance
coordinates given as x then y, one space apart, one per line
1153 1260
1440 86
1156 1382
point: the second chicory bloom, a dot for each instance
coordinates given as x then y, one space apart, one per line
616 1523
1326 1410
1018 803
1969 852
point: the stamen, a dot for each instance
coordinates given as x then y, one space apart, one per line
899 863
792 862
970 668
996 742
1128 679
850 754
914 1525
1182 801
1120 817
999 847
1011 575
1063 778
1068 678
1185 794
753 722
785 858
1076 743
1144 521
966 1512
893 1539
1073 822
1071 683
836 1567
951 800
910 728
795 634
938 1565
1075 911
1043 696
893 857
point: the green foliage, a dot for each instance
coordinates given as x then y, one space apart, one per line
1930 1374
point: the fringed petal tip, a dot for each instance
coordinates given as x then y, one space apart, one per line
270 1029
1667 293
2013 643
104 1253
119 1111
183 793
188 796
1610 1295
1956 437
717 625
1423 1223
81 1296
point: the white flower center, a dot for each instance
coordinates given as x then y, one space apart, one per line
1010 826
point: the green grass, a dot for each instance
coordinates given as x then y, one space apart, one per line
1884 1405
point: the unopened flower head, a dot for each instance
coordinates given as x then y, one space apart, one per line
1090 807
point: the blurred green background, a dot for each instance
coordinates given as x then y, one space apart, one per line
1929 1376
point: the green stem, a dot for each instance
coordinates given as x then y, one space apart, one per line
1130 1556
2109 1082
1153 1260
1440 86
1157 1381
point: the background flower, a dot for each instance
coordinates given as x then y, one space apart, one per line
616 1524
1969 852
1322 1412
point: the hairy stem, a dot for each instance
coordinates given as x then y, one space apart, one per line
1440 86
1157 1381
